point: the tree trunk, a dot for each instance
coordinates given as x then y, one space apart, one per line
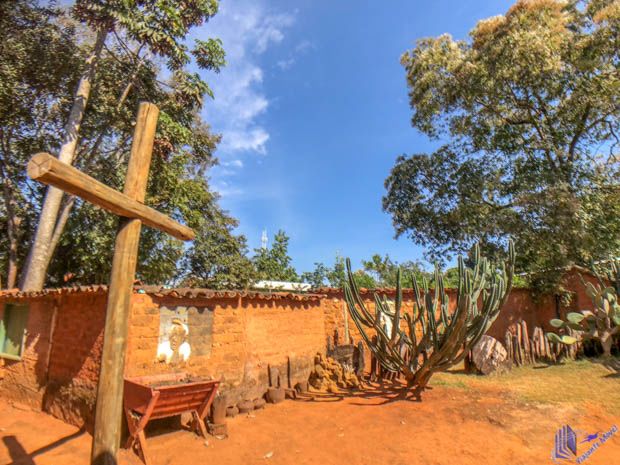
63 217
13 222
606 343
39 257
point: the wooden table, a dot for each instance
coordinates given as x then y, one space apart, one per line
159 396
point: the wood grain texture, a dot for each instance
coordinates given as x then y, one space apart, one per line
47 169
109 409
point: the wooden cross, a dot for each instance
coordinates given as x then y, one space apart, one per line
128 205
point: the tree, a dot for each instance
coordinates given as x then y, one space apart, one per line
317 277
217 258
274 264
42 49
38 62
159 27
335 276
528 109
385 271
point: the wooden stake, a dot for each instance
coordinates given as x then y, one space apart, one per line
109 410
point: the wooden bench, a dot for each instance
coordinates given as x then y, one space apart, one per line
159 396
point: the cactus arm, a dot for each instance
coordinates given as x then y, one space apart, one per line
356 294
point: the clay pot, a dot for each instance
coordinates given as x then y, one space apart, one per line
245 406
275 395
218 410
232 411
259 403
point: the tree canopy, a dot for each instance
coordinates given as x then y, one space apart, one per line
42 54
273 263
526 117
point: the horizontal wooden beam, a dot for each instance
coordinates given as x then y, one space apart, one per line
47 169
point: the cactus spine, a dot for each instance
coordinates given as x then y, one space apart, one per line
434 339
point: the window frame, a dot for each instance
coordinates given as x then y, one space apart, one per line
4 329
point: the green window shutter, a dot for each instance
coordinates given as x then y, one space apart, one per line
12 330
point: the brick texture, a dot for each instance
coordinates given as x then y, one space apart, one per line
235 339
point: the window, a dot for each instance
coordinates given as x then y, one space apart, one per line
12 331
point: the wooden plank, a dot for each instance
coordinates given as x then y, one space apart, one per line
109 407
47 169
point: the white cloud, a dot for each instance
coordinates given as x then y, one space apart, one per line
247 29
234 163
249 139
301 48
285 64
304 46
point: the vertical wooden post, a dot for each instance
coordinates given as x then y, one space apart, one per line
108 412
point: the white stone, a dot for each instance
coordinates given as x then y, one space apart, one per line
489 355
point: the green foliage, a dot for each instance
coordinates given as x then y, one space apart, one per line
434 339
274 264
42 51
335 276
217 258
528 112
317 277
39 65
385 271
601 323
161 25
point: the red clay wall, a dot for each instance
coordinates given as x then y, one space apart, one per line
238 341
233 338
247 336
24 381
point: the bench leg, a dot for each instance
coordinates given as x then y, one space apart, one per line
199 424
142 448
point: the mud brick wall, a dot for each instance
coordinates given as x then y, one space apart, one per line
233 336
75 357
24 380
233 339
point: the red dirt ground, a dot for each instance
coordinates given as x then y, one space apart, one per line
450 426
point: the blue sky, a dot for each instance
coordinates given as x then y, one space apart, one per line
313 110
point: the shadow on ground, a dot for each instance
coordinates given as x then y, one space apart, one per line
20 456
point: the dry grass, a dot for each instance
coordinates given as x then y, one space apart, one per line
574 383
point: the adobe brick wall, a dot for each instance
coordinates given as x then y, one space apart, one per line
239 339
24 381
233 338
75 357
247 337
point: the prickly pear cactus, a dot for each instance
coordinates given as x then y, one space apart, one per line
434 338
600 323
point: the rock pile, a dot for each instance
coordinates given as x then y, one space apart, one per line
328 375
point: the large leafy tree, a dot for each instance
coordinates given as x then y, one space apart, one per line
526 113
40 64
334 276
218 258
159 28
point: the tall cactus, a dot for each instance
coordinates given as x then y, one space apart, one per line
434 339
601 323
